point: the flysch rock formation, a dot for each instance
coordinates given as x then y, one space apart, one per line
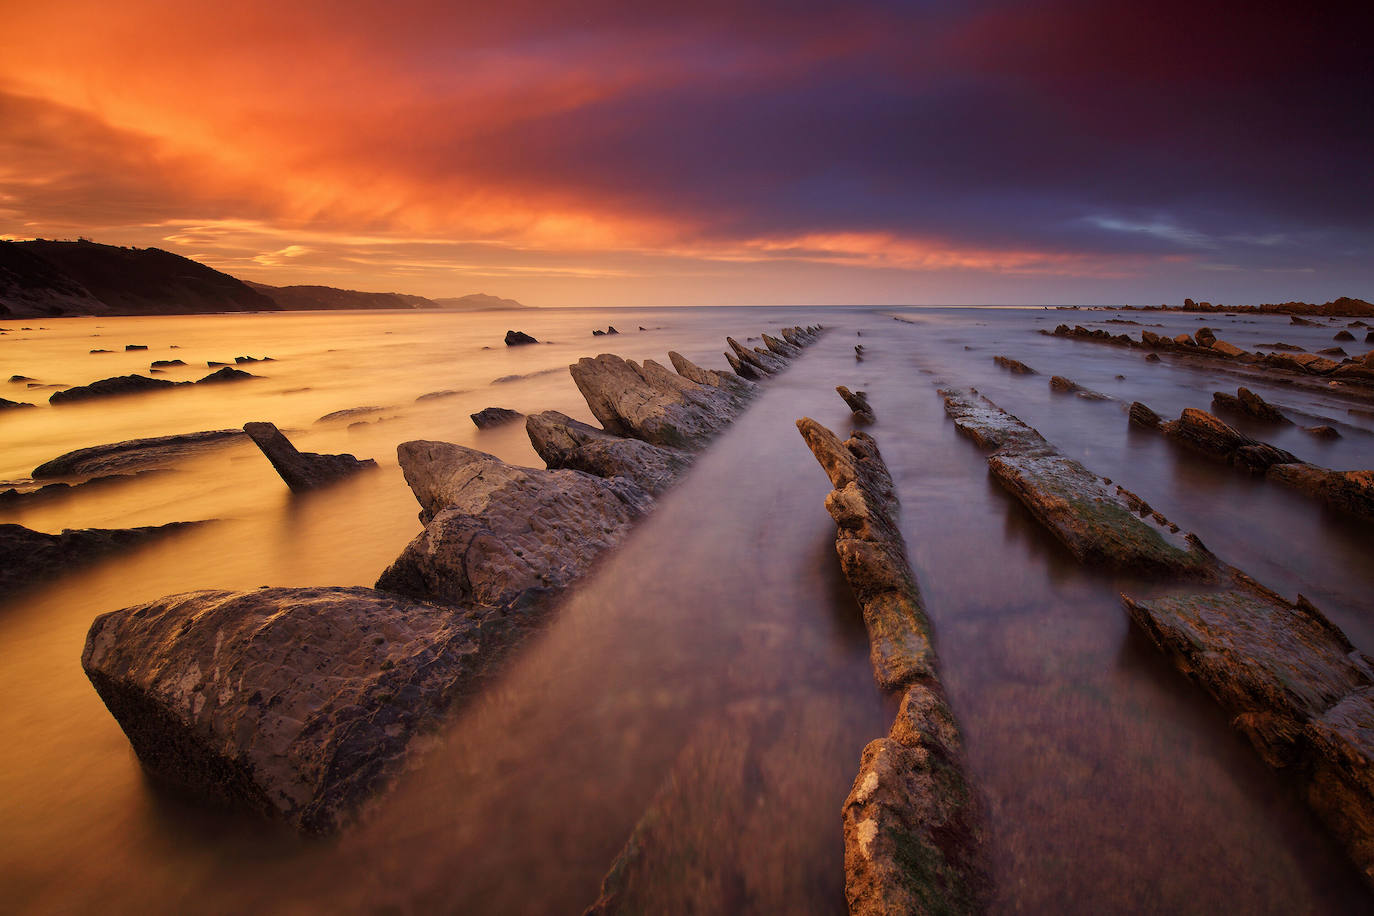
1293 685
302 471
913 826
1249 404
1014 366
300 703
649 402
500 535
1347 491
28 556
1098 524
156 451
567 443
762 363
857 402
295 703
1069 386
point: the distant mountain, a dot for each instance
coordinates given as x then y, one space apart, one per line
44 278
305 298
478 302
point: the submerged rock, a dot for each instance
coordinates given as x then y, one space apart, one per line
1014 366
858 404
1068 386
516 338
649 402
6 404
1349 491
301 470
1250 404
1293 685
348 413
132 453
499 535
109 387
27 556
1097 524
488 417
227 374
295 703
567 443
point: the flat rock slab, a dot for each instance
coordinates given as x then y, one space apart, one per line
28 556
498 535
1293 684
567 443
302 471
652 403
297 703
132 453
1098 524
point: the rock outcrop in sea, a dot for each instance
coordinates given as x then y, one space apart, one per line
857 401
302 471
155 451
567 443
488 417
28 556
516 338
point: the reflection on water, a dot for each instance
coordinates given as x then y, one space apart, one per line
715 667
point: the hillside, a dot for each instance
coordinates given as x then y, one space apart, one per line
306 298
42 278
478 302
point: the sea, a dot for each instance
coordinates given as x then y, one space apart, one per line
715 667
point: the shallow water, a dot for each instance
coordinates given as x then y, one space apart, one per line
716 659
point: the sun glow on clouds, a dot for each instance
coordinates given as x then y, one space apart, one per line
561 155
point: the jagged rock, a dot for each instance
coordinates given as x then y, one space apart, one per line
567 443
694 373
212 364
1205 337
858 404
762 365
1097 525
516 338
651 403
108 387
1013 365
597 332
295 703
1349 491
743 369
795 336
781 347
21 378
6 404
227 374
1343 335
1293 685
1204 432
873 554
488 417
610 329
913 827
497 535
1144 417
1252 405
28 556
132 453
301 470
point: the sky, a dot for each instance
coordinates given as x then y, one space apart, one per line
605 153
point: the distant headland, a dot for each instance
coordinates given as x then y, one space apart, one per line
44 278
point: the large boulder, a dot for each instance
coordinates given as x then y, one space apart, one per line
516 338
504 536
567 443
296 703
488 417
651 403
302 470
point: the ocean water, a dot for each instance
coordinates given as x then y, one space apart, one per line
716 660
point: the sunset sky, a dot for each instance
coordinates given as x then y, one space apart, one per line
634 153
